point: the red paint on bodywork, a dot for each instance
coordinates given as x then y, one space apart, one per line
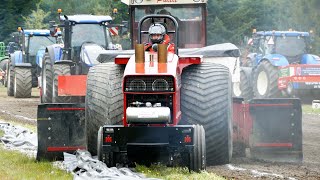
73 85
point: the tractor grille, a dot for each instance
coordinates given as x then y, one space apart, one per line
149 84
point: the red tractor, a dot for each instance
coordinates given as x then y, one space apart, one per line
174 108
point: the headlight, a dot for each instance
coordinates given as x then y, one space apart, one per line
149 84
137 85
160 85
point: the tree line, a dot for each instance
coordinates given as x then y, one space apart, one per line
227 21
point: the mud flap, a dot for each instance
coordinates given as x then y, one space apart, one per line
61 128
277 130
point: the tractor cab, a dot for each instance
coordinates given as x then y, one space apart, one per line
190 15
33 43
290 44
84 34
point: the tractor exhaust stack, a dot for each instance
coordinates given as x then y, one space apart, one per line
139 53
162 53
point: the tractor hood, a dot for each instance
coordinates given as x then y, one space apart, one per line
151 65
89 53
218 50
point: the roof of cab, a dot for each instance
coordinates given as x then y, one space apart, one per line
282 33
87 19
36 32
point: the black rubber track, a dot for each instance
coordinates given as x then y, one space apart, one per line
22 82
272 82
60 69
10 80
104 100
206 100
46 79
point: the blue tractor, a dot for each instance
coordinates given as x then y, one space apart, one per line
279 66
24 65
84 37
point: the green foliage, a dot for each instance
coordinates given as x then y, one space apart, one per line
163 172
227 21
36 19
14 165
11 12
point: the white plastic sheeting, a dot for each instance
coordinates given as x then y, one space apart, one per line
19 138
82 165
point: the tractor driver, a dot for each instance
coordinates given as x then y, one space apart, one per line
158 35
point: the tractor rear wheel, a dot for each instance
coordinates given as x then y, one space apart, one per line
4 67
9 79
206 100
60 69
248 63
22 82
266 81
104 100
46 79
198 154
244 87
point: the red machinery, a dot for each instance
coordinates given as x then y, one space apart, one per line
166 107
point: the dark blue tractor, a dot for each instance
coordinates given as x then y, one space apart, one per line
85 36
24 65
280 65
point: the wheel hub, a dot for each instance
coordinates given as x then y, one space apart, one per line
262 83
236 89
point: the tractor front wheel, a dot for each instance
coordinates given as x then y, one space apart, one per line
60 69
4 66
9 79
244 87
46 79
266 81
22 82
198 153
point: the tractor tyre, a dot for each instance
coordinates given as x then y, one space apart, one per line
99 145
206 99
46 79
198 153
265 81
60 69
104 100
244 87
4 67
34 77
10 79
22 82
248 63
3 64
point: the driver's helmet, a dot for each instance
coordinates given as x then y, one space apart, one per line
156 33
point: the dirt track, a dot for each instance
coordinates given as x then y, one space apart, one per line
240 168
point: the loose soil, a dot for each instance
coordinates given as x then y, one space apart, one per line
25 110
